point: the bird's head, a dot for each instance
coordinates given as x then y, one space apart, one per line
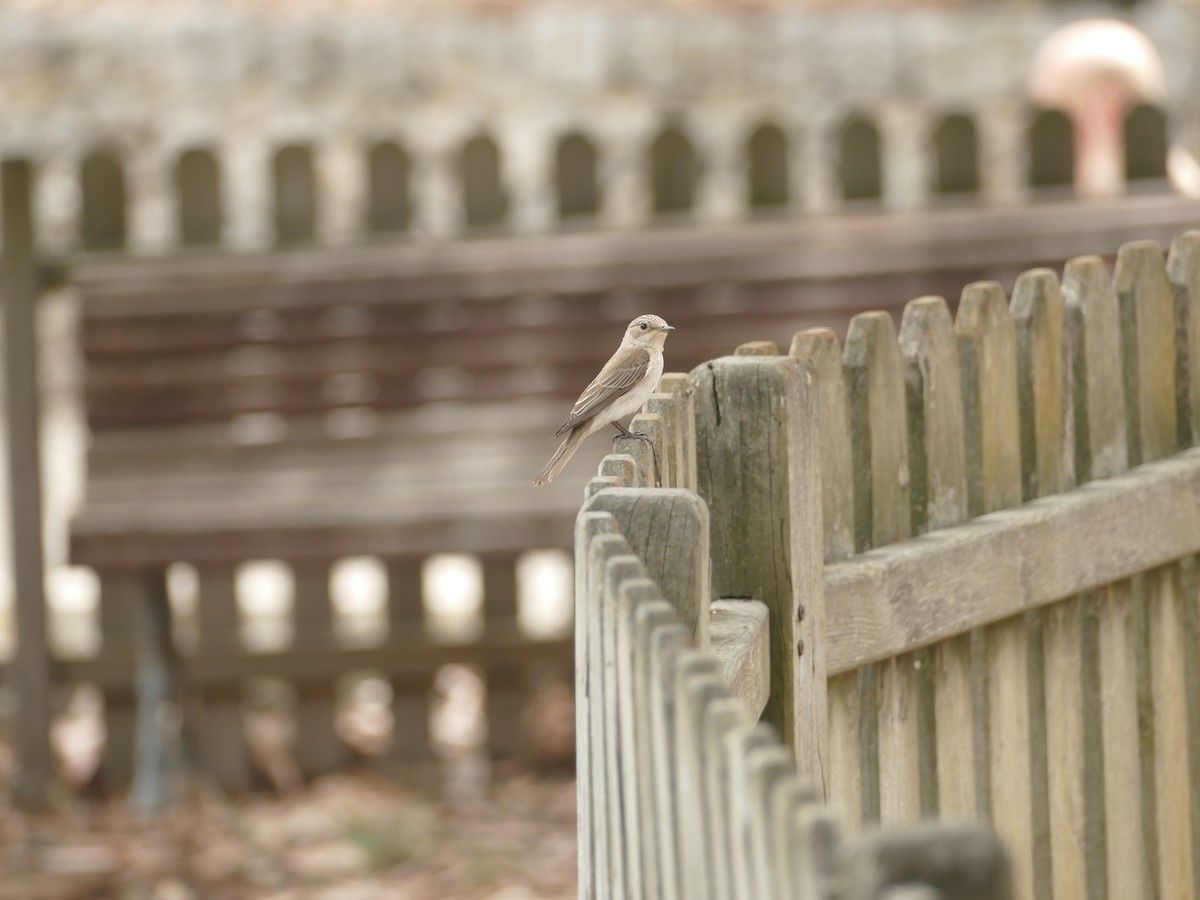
647 331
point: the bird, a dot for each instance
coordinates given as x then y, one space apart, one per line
623 385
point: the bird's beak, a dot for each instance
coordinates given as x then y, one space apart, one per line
668 328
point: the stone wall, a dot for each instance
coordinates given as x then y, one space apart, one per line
146 83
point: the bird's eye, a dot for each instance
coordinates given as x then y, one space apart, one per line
642 326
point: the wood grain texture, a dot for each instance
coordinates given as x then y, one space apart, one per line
1062 646
1147 312
589 766
698 684
936 444
819 352
878 431
1043 387
759 459
1168 676
1094 332
725 718
738 637
1183 268
987 356
681 387
656 821
667 408
937 467
668 529
898 598
635 774
1128 867
845 755
667 644
882 513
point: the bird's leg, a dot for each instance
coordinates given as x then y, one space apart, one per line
626 433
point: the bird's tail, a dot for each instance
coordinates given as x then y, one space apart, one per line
562 455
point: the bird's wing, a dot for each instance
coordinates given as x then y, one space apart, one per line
627 367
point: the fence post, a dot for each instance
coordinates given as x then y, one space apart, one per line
31 668
759 471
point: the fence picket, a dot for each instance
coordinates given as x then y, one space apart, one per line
667 643
725 717
1053 635
882 512
1183 268
819 352
657 821
987 356
1147 309
1112 825
1149 343
1093 329
681 387
698 683
937 466
597 537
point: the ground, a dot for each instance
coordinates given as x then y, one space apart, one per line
347 837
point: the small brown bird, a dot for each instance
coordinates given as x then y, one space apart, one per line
623 385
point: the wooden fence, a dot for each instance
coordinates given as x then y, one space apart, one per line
975 540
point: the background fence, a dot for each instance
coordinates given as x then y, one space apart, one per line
994 617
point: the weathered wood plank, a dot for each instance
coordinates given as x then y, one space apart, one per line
681 387
1093 329
878 431
845 754
1128 868
631 595
724 718
589 527
698 684
757 348
738 638
882 513
900 741
819 352
410 704
624 870
666 408
656 822
1147 310
666 645
668 529
771 770
1168 675
652 425
765 534
1045 397
1062 644
1043 385
898 598
1183 268
937 466
31 668
987 356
